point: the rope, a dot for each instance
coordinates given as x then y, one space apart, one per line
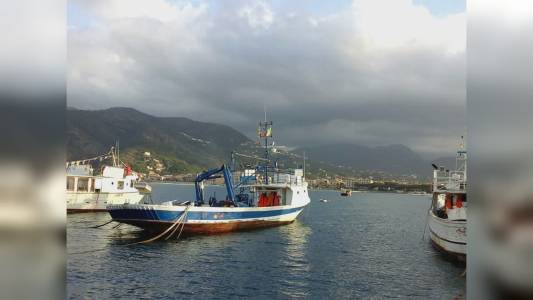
103 156
174 226
177 222
182 224
88 251
96 226
179 234
181 229
427 217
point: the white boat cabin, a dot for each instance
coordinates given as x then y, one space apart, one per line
282 189
449 190
80 179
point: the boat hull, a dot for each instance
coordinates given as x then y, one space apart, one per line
96 202
204 220
448 236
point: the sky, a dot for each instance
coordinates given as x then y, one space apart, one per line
368 72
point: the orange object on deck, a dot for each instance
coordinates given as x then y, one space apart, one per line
262 200
448 201
271 197
276 201
458 201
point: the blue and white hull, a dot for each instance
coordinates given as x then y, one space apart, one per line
203 219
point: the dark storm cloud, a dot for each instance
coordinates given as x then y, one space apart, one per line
321 78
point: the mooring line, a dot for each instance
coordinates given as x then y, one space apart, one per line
176 223
174 226
179 234
87 251
427 217
93 227
181 229
98 226
177 227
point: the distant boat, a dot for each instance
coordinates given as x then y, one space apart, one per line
447 215
324 200
346 192
262 197
419 193
115 184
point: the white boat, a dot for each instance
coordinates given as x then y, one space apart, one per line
262 197
117 184
419 193
447 215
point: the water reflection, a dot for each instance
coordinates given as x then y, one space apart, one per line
295 260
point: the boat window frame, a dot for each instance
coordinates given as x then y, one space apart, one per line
120 184
80 186
72 187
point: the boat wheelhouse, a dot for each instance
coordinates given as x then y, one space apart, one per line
261 197
447 215
90 192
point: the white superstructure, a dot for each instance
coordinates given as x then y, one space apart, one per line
447 215
114 185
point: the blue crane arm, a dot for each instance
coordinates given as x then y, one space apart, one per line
211 174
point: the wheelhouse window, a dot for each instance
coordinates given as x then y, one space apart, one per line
120 185
83 184
70 183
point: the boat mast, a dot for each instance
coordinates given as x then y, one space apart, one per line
304 166
460 161
265 131
113 155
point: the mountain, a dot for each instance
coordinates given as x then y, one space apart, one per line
182 144
393 159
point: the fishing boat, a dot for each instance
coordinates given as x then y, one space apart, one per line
114 184
263 196
346 192
447 215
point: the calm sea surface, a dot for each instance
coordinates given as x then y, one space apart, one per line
365 246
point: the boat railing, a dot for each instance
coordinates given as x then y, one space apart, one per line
283 178
273 178
452 180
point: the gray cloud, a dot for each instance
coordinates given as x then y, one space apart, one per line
322 78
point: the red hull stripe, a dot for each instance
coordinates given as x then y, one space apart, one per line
206 228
